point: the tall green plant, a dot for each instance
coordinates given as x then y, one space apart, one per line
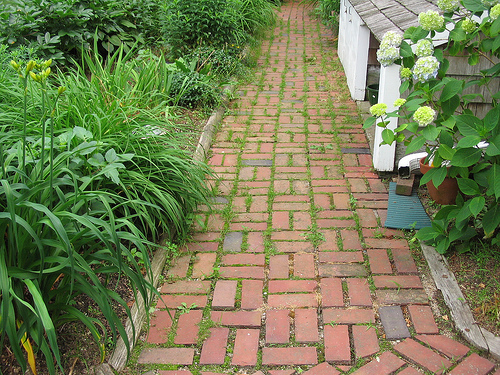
60 236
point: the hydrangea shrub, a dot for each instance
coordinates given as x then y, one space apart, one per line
436 115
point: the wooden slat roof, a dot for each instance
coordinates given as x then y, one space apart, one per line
397 15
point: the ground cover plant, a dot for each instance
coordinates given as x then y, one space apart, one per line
437 116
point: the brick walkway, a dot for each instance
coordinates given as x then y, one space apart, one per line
294 272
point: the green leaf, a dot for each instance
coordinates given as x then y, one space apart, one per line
466 157
468 124
469 141
491 220
492 119
404 86
452 88
449 123
473 59
446 152
405 50
436 175
427 234
476 205
369 122
494 179
388 136
128 24
458 34
473 5
494 147
431 133
450 106
416 144
495 28
446 138
468 186
111 156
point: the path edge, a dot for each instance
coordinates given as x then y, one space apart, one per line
118 359
460 311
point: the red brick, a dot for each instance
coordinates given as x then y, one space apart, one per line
396 282
423 356
204 264
244 272
384 243
409 371
330 243
174 356
322 369
175 372
322 200
255 242
384 364
224 294
404 261
365 341
237 318
337 346
358 185
423 319
277 327
251 294
335 223
195 247
292 286
303 265
350 240
187 287
281 372
306 325
367 218
160 325
213 351
281 220
246 345
289 356
341 257
359 292
331 292
379 261
180 267
251 259
473 364
291 206
187 328
341 201
238 227
451 348
292 300
175 301
293 247
278 267
348 316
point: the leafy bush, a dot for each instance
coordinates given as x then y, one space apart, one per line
189 24
88 177
223 63
61 29
438 117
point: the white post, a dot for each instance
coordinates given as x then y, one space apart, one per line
384 156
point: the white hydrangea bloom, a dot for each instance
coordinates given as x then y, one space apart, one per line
448 5
424 115
387 55
425 68
391 38
424 47
431 20
495 12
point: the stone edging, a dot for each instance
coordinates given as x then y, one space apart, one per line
461 313
118 359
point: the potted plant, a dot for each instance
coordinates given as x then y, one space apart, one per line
435 115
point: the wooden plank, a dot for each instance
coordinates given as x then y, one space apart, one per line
459 309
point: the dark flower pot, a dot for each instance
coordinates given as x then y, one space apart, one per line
446 193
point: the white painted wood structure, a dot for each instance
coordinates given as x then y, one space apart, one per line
358 20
